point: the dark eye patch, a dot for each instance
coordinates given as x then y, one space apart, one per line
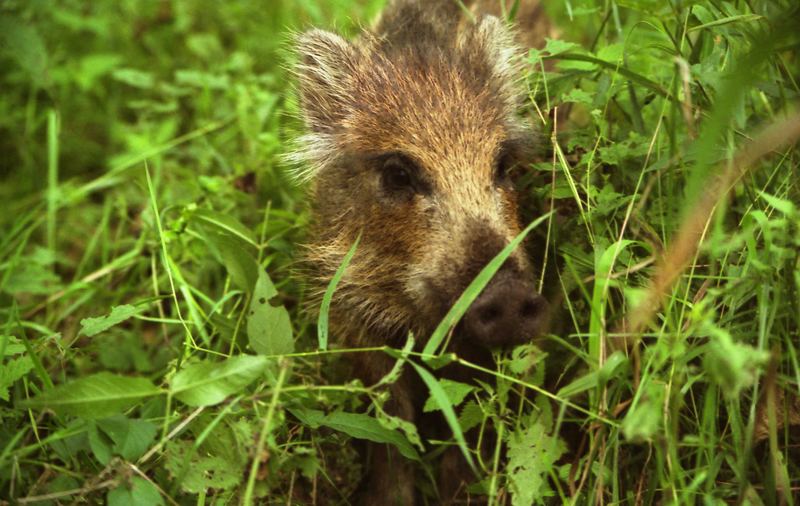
509 158
400 175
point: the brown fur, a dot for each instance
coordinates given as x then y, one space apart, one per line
442 92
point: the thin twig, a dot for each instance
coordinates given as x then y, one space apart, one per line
65 493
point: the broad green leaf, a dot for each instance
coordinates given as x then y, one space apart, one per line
785 206
269 328
93 326
240 264
474 289
231 242
359 426
96 396
456 393
226 224
21 41
322 321
10 345
209 383
558 46
32 278
94 66
441 399
100 444
131 438
137 492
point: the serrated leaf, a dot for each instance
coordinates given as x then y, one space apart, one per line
96 396
13 346
532 452
209 383
456 393
199 473
269 328
441 399
645 418
93 326
359 426
731 365
471 415
11 371
139 492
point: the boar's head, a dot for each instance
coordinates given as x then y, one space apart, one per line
412 131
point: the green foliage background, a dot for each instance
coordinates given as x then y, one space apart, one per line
153 348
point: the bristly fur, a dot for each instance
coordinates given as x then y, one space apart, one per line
329 67
441 92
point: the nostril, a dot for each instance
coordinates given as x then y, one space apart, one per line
531 307
489 314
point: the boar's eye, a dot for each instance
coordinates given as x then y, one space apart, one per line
398 174
504 163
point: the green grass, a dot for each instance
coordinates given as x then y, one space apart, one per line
153 343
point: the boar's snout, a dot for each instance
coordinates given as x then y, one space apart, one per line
508 312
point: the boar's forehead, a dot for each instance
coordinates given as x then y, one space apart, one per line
444 113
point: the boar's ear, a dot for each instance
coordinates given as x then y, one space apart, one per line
495 43
326 62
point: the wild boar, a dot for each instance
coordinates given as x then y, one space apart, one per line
412 131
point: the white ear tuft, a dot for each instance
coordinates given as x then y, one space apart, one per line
495 44
326 64
500 46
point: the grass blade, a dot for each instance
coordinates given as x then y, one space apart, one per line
439 395
324 310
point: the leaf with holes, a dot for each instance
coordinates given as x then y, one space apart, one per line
532 453
269 327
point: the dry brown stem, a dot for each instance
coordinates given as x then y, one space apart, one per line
687 240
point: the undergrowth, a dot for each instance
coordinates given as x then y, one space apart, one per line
154 348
